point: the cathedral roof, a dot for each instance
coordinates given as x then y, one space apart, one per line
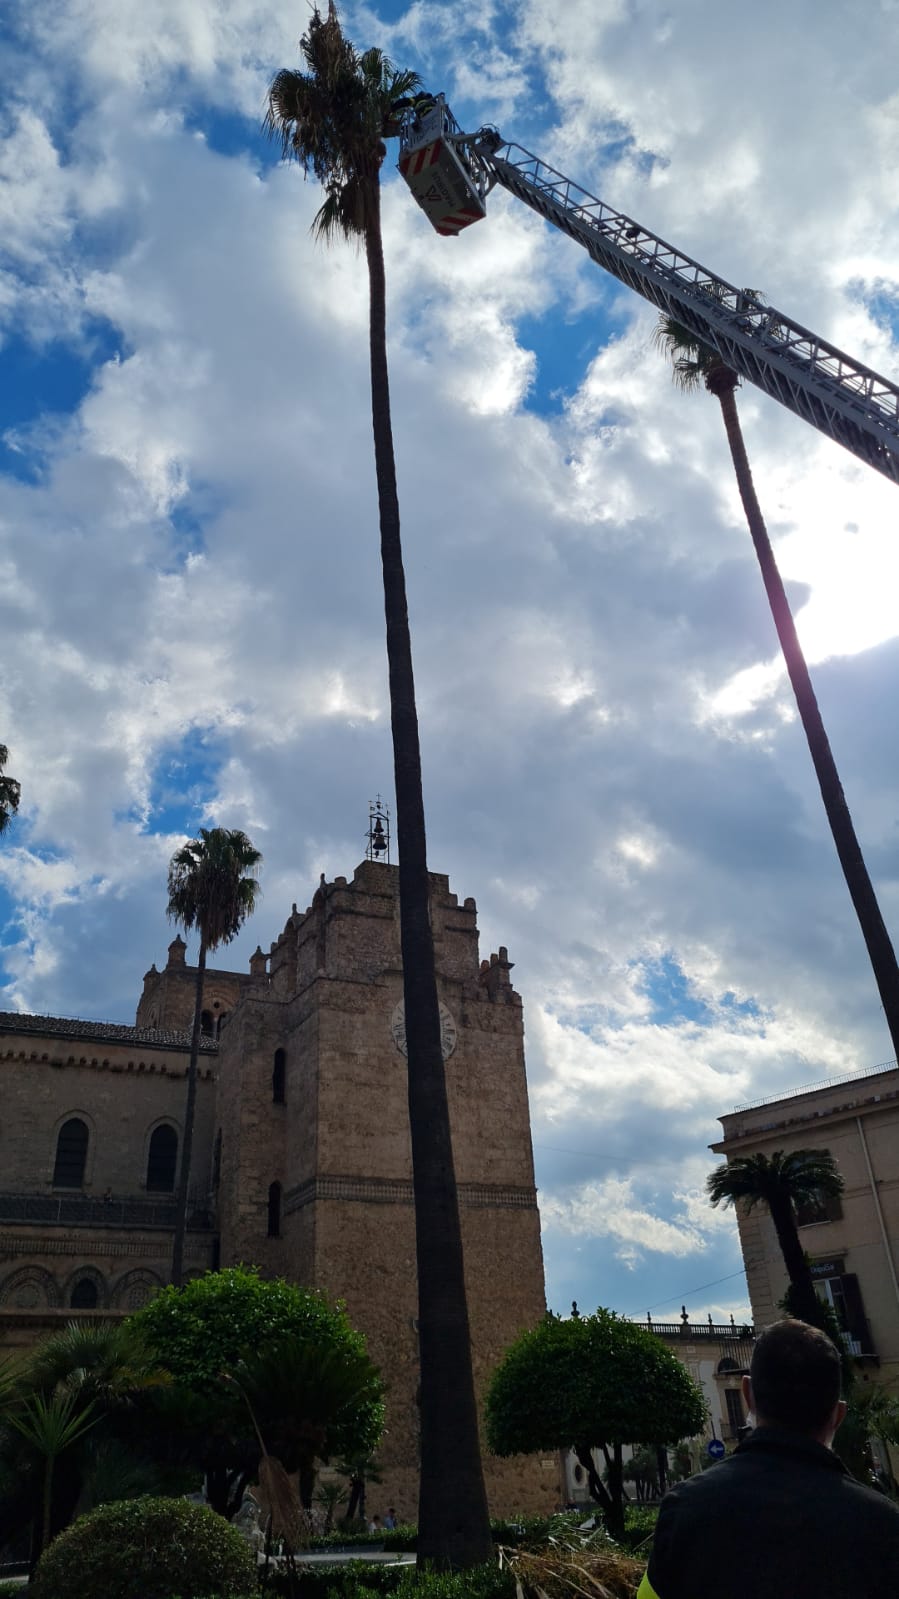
112 1032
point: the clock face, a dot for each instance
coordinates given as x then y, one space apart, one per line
448 1031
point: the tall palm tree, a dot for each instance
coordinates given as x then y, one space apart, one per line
212 887
780 1183
333 119
694 363
10 792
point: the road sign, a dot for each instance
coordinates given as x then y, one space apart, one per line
716 1449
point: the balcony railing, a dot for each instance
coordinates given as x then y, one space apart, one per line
81 1210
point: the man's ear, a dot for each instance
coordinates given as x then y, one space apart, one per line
746 1390
839 1414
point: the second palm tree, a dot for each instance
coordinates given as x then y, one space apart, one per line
694 363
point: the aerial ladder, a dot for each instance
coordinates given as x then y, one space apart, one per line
451 173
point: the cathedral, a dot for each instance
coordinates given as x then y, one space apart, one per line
301 1162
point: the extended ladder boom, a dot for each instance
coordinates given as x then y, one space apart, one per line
819 382
839 396
451 173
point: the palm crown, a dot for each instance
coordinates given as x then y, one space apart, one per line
334 119
10 792
212 884
800 1176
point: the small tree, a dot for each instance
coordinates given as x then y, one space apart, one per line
212 887
50 1464
231 1324
591 1382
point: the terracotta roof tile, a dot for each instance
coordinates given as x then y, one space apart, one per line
110 1032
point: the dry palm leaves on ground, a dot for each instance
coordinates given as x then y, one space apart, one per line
599 1571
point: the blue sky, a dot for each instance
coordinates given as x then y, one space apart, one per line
189 589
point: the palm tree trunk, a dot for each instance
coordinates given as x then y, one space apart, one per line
805 1300
189 1117
48 1502
454 1526
864 899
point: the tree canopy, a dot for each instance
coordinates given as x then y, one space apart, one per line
223 1338
591 1382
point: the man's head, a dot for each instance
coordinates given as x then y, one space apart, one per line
794 1380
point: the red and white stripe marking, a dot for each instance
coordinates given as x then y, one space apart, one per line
411 165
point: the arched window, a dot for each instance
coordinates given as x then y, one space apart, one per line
162 1159
84 1295
71 1154
279 1077
274 1211
207 1023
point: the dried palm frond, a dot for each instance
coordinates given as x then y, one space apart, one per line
280 1503
563 1573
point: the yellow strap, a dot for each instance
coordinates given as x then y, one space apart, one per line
646 1589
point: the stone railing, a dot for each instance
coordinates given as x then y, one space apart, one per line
81 1210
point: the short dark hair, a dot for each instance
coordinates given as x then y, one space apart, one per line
796 1375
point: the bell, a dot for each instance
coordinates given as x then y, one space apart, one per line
378 841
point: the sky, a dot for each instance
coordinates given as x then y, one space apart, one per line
191 625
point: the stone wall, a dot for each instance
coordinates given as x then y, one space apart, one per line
109 1231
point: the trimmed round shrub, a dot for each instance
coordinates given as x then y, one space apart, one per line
146 1549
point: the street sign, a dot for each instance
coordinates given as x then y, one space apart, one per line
716 1449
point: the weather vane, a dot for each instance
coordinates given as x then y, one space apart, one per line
378 837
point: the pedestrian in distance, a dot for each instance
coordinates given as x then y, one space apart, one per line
390 1520
782 1517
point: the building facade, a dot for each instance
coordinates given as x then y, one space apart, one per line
302 1161
853 1244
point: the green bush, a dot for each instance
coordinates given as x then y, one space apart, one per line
484 1582
362 1581
639 1524
146 1549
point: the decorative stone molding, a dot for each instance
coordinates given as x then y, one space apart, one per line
29 1288
387 1191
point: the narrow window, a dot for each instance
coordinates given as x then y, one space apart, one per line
279 1077
217 1160
71 1154
735 1415
162 1158
84 1295
274 1210
207 1024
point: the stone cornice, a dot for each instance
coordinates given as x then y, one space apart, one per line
398 1191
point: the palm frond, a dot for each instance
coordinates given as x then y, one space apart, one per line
281 1503
212 884
333 119
798 1175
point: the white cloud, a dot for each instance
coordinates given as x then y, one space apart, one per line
608 1209
612 761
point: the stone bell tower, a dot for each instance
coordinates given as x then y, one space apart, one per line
314 1164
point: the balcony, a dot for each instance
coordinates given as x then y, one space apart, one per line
136 1212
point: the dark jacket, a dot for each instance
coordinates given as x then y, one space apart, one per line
781 1518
